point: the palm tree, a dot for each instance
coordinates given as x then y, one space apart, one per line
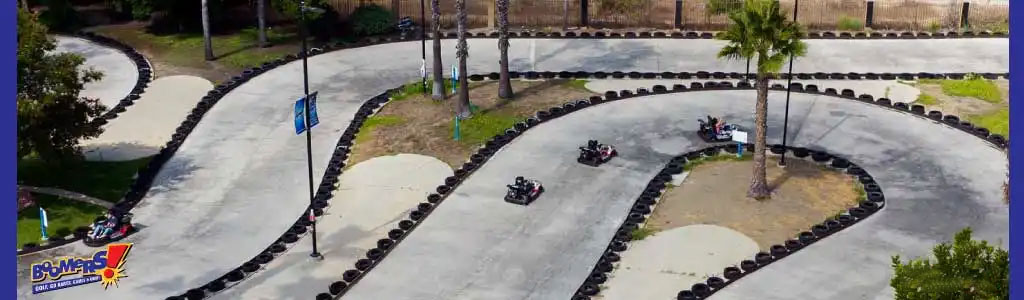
504 84
760 31
462 52
261 16
435 19
206 32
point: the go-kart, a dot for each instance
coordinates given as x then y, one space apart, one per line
709 132
595 154
110 228
524 191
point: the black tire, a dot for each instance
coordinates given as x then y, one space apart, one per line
289 238
763 258
820 230
195 294
214 286
732 273
686 295
337 287
701 290
748 266
846 220
778 251
597 278
589 289
807 237
250 267
405 224
396 234
611 256
858 212
363 264
385 244
617 246
793 245
715 282
350 275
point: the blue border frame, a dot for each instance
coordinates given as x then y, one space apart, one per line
1016 167
10 152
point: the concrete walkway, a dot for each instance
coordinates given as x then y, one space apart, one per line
892 89
475 246
67 195
234 186
655 267
150 122
119 71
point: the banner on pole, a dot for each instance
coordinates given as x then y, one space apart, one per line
300 114
312 110
43 223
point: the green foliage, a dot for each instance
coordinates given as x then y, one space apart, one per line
761 31
997 121
642 233
934 27
62 217
926 99
371 20
483 126
624 7
981 89
849 24
416 88
580 84
137 9
52 118
186 16
104 180
964 269
60 16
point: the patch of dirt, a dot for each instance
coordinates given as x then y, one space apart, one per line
423 126
964 106
803 194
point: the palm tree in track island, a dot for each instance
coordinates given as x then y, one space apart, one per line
435 19
504 84
462 52
206 33
761 31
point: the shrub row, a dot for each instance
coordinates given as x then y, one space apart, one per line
142 65
712 34
874 201
531 75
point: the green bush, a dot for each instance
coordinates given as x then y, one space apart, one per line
60 16
371 20
965 269
849 24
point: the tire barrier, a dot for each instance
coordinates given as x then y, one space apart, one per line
874 202
142 65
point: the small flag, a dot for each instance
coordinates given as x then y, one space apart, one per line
42 222
423 68
455 78
312 216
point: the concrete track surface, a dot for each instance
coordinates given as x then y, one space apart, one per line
239 180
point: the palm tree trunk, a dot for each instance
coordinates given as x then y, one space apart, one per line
262 17
504 83
435 18
462 52
206 33
759 182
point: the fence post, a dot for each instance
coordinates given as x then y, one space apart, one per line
964 13
679 14
583 13
869 20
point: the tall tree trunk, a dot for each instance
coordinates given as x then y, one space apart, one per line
759 182
504 83
262 20
435 19
206 33
565 14
462 52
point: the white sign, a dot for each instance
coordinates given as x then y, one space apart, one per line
739 136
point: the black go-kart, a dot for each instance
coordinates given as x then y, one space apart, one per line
110 228
524 191
595 154
711 133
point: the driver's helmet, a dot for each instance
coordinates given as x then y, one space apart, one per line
520 179
592 144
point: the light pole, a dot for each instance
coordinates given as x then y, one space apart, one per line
423 43
309 129
789 88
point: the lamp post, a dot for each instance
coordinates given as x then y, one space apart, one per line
423 43
789 88
309 129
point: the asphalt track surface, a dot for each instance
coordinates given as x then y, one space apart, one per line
119 71
475 246
239 180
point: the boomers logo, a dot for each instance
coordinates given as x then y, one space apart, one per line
104 266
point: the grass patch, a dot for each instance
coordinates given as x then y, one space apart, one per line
577 83
483 126
977 88
642 233
104 180
690 164
63 216
926 99
416 88
849 24
366 131
997 122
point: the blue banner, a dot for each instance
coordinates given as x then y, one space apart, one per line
312 110
300 109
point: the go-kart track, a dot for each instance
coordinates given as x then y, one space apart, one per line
239 179
119 72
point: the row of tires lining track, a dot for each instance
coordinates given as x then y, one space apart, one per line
671 34
141 184
145 70
642 207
